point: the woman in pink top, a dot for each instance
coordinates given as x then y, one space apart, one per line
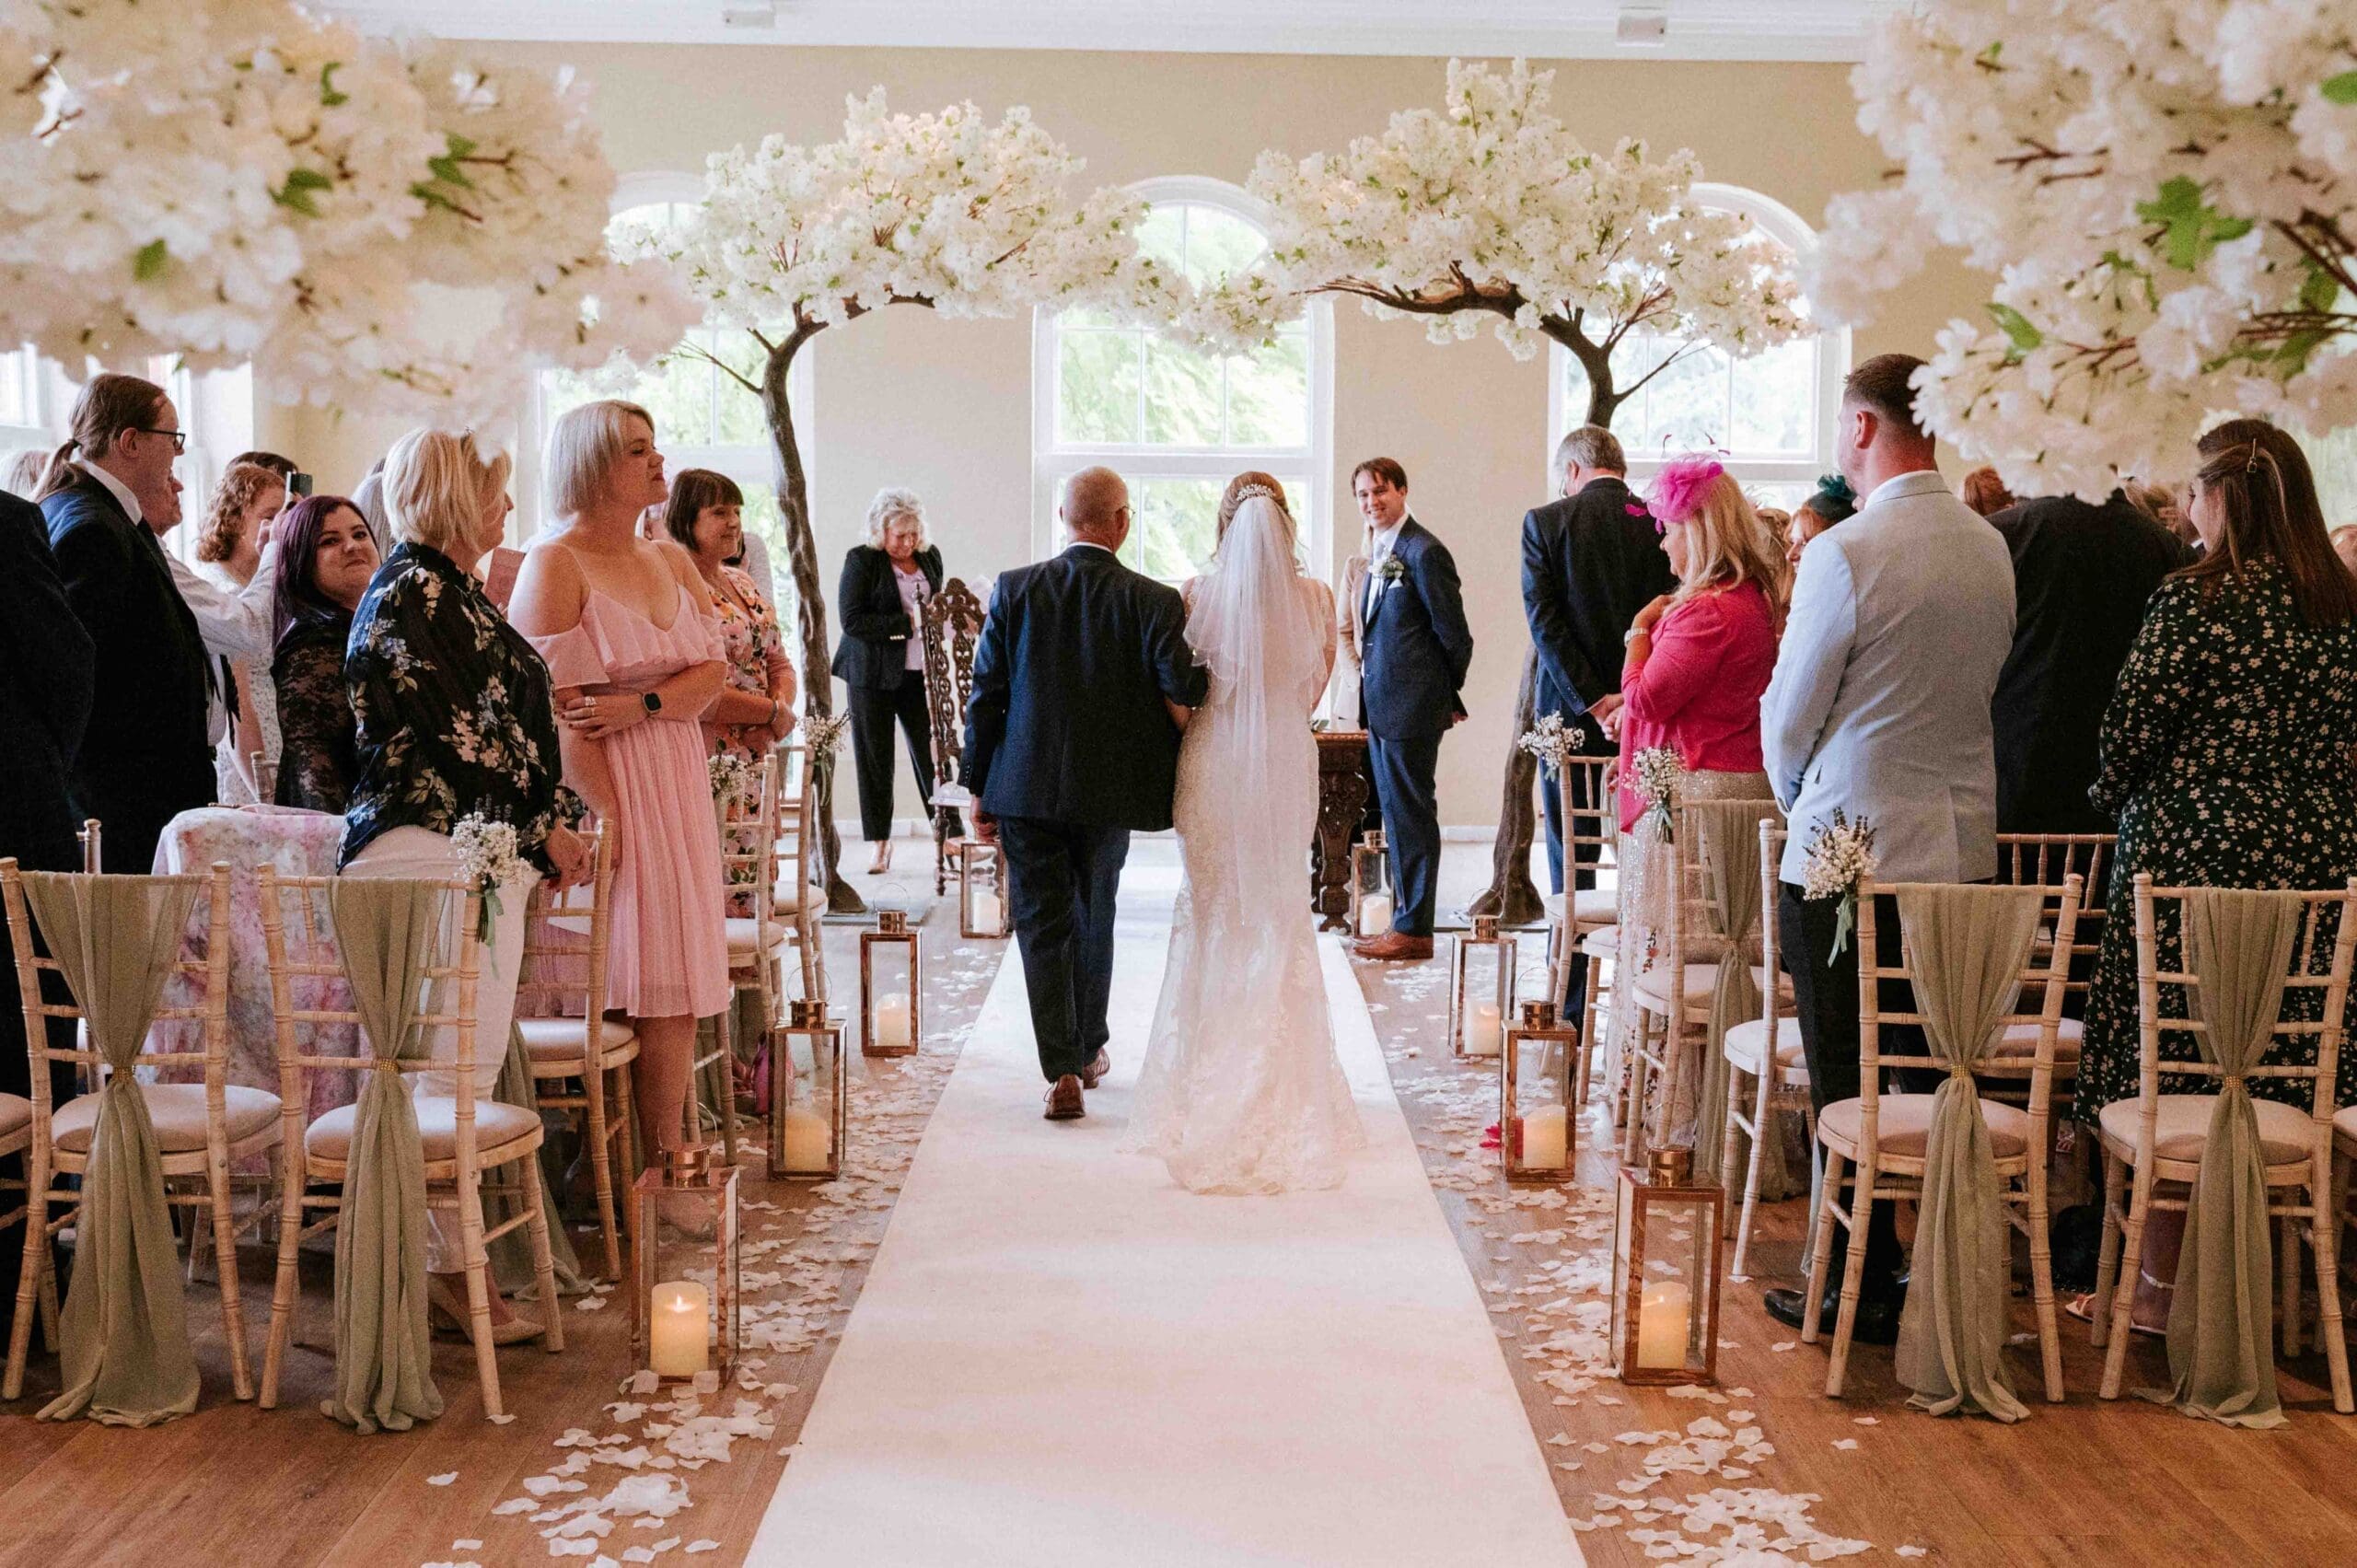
636 660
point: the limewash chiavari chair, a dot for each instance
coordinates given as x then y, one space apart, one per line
2157 1137
2047 860
749 830
565 968
1765 1067
199 1127
796 900
1583 913
462 1135
1878 1143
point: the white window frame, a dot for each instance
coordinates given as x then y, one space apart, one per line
1051 461
23 367
1781 222
753 464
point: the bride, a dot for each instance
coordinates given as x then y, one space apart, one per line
1241 1091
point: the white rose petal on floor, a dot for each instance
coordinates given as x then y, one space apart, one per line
1062 1357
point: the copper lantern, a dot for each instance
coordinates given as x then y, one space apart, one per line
1539 1130
1371 896
891 993
1481 988
982 891
685 1295
1664 1272
809 1113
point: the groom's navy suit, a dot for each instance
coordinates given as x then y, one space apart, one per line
1068 746
1412 658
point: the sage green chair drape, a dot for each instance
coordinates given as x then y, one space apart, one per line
1967 946
124 1358
2221 1333
511 1255
1727 840
385 930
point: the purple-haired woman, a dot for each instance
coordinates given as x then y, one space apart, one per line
326 556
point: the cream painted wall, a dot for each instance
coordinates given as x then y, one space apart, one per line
945 407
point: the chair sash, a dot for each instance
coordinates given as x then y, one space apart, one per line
2221 1337
386 929
125 1359
511 1255
1967 946
1727 840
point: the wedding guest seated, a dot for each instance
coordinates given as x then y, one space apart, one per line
755 710
885 584
2082 576
452 718
327 558
228 550
2225 751
1985 493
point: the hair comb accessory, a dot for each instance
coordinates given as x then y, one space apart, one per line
1677 490
1250 490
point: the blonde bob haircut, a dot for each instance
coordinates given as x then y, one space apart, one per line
889 508
583 444
1728 545
437 487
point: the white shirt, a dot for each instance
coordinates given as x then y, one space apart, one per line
119 491
1378 552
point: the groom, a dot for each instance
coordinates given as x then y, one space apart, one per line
1071 746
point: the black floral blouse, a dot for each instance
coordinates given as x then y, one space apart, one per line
315 760
452 711
2227 759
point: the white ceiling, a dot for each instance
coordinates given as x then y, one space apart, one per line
1703 29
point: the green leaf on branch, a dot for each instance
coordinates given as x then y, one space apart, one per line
2191 227
148 265
2341 88
2321 291
296 191
2292 358
328 95
2019 330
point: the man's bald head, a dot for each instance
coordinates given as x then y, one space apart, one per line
1096 507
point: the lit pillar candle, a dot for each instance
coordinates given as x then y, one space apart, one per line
1484 1031
679 1327
1545 1142
1374 914
892 1024
1663 1324
809 1138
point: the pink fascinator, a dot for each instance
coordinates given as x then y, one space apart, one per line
1677 489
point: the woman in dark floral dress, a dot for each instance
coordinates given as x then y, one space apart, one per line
2226 751
326 559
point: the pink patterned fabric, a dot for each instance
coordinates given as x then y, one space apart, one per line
1698 690
669 956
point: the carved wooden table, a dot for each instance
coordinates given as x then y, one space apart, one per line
1345 787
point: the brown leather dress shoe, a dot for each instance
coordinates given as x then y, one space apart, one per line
1064 1102
1093 1074
1395 946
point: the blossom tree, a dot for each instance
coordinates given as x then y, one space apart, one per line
945 211
1490 207
2167 195
398 230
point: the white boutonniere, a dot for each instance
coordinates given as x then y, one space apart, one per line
1393 569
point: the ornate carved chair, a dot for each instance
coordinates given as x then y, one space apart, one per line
953 622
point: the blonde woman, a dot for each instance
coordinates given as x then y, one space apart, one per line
636 660
886 582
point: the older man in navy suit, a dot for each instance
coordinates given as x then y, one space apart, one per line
1414 649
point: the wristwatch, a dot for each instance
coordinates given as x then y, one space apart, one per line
653 700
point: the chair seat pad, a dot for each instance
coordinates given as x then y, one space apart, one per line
178 1111
1653 986
330 1137
560 1039
1595 906
745 935
1903 1125
785 898
2344 1127
1604 944
1745 1039
16 1115
2021 1039
2183 1126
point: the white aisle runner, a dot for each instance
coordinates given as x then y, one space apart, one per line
1060 1357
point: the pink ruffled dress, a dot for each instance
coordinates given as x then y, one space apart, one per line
668 952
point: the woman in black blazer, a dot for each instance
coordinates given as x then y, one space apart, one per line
886 583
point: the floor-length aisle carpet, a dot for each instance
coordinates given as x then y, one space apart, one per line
1062 1358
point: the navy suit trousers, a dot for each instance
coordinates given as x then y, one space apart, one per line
1061 878
1404 772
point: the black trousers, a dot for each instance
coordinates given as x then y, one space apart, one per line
39 840
1061 878
1825 1005
1404 772
874 711
1592 743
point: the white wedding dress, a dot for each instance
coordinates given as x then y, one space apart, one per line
1241 1091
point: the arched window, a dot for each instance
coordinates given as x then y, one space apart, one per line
1177 423
1772 415
703 418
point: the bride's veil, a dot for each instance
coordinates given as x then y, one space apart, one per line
1264 643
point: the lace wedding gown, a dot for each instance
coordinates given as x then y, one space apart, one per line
1241 1091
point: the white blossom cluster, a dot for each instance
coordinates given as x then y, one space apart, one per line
1550 742
1655 771
734 776
1489 206
1839 856
945 210
2166 193
392 227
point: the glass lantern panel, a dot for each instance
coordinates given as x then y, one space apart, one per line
1673 1314
685 1242
1371 888
981 888
1484 1000
1542 1111
803 1142
892 996
1623 1234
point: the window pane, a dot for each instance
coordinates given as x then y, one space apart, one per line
1268 395
1163 235
1687 407
761 517
738 419
1218 243
1631 357
1182 392
1174 519
676 389
1774 395
14 407
1097 386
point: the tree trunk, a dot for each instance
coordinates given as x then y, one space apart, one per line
1511 895
802 556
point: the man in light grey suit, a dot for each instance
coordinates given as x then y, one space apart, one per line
1901 619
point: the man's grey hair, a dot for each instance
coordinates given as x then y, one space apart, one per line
890 505
1590 447
1092 499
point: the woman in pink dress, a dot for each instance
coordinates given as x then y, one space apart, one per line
635 659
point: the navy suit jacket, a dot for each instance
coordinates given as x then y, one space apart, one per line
1589 563
1416 647
45 688
1065 722
144 756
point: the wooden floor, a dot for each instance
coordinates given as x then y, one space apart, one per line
2079 1483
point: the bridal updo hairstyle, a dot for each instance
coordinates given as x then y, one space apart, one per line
1233 497
2267 498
